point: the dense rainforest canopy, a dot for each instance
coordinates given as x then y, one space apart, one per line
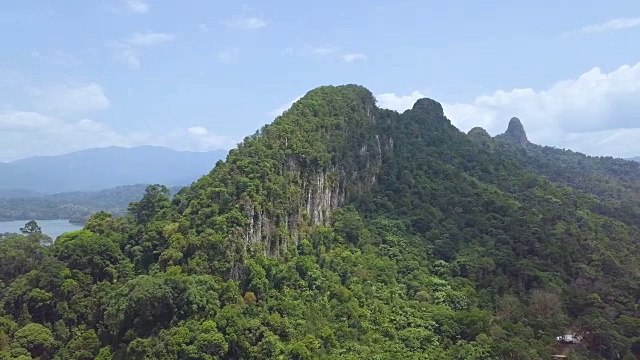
345 231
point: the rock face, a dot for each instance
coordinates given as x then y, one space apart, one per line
516 133
330 146
309 187
320 193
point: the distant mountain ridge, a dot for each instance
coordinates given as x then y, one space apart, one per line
104 168
76 206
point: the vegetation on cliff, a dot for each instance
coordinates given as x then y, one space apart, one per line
343 231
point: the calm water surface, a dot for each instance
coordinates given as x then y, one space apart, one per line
53 228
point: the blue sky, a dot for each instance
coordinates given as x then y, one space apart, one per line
199 75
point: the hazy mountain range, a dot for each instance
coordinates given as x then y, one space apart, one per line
76 206
103 168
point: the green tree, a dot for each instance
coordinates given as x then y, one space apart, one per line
31 227
35 338
155 201
85 251
84 345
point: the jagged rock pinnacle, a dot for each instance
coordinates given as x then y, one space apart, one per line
428 105
516 133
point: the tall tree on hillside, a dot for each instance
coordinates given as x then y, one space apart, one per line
155 199
31 227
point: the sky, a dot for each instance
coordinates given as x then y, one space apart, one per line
202 74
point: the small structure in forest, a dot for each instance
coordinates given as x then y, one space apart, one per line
569 339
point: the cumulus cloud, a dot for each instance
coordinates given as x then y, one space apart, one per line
70 98
353 57
59 119
129 49
612 25
398 102
320 50
24 134
596 113
137 6
277 112
247 23
197 130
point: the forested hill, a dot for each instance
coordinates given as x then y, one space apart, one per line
344 231
614 181
74 206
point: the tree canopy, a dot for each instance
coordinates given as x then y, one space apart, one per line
345 231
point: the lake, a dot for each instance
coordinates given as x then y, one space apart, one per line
53 228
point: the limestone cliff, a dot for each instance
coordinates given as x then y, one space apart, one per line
516 133
316 192
293 173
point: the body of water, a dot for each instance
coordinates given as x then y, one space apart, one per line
52 228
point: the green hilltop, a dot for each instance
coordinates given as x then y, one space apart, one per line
346 231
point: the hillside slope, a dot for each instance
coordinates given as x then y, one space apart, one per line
340 231
616 182
74 206
104 168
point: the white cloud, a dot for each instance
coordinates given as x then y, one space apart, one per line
398 102
24 134
198 130
320 50
612 25
70 98
55 123
129 49
277 112
196 138
248 23
353 57
203 28
130 56
137 6
324 51
598 113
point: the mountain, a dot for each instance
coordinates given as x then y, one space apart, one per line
637 158
516 134
103 168
18 193
75 206
614 181
346 231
